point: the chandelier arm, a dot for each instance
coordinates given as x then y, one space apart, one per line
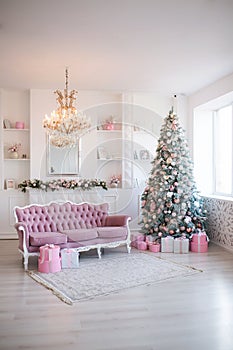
65 124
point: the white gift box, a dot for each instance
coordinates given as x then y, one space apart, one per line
69 258
181 245
167 244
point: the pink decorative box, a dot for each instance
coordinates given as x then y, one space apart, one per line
199 238
69 258
155 248
181 245
19 125
49 260
199 248
136 238
167 244
142 245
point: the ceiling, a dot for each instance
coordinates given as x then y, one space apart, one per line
166 46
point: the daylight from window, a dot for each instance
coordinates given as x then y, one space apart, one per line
223 150
213 150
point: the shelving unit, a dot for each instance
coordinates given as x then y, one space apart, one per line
109 153
14 107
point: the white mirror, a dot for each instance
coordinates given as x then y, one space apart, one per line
62 161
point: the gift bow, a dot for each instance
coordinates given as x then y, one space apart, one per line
45 247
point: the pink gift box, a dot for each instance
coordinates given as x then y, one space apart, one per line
155 248
199 238
149 239
142 245
199 248
49 260
136 238
49 266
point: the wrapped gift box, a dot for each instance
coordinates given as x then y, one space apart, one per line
69 258
49 260
154 247
149 239
141 245
199 248
136 238
167 244
199 238
181 245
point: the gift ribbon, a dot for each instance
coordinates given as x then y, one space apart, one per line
167 243
45 248
70 255
181 239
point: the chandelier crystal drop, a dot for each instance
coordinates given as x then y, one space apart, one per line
65 125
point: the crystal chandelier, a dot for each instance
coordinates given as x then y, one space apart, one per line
65 125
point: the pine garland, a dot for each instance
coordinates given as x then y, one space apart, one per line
54 185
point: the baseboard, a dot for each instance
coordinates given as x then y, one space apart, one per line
8 236
222 246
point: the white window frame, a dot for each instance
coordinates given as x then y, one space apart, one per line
214 165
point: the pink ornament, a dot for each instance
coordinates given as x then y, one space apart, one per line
152 206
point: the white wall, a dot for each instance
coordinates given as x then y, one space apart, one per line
43 102
214 91
219 210
95 103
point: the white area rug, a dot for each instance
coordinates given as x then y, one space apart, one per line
113 273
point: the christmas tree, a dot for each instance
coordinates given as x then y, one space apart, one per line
171 204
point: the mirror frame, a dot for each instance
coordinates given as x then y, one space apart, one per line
66 152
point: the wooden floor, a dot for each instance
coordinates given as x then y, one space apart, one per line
194 312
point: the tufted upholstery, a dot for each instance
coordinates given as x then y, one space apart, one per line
69 225
68 216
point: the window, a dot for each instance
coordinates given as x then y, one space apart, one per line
223 150
213 149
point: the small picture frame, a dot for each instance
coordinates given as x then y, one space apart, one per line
144 154
135 155
10 184
102 153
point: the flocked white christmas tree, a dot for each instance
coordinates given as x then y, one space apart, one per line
171 204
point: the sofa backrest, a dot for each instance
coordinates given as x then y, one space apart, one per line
55 217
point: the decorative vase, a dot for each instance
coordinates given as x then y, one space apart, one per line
114 185
14 155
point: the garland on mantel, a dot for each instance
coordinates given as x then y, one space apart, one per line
55 185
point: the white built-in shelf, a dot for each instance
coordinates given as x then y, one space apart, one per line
109 131
13 129
110 159
17 159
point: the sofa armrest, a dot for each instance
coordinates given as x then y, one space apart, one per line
23 235
117 220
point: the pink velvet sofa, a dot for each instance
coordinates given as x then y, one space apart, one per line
83 226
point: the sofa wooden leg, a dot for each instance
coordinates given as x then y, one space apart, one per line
99 252
25 262
128 248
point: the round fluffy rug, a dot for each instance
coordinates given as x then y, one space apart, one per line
112 273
